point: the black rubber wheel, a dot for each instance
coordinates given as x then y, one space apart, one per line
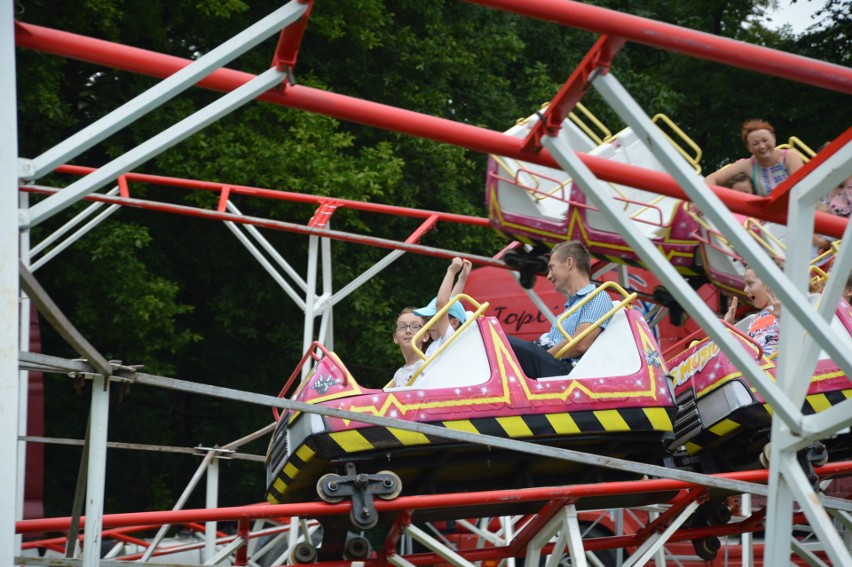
302 553
707 548
322 489
397 483
720 516
764 456
356 548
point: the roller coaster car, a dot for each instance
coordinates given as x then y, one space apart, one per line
617 401
541 206
725 269
722 421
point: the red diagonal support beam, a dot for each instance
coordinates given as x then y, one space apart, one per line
290 40
323 214
600 56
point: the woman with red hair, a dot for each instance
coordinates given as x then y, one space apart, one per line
767 167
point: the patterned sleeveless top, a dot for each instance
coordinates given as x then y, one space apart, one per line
765 330
765 179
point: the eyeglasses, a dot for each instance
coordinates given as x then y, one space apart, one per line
401 327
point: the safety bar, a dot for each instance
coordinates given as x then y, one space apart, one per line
819 278
584 127
479 309
827 256
628 299
540 195
757 230
798 146
694 161
714 235
537 193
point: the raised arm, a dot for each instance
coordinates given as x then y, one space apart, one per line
463 275
445 292
721 176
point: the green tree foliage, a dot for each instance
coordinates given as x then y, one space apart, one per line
183 296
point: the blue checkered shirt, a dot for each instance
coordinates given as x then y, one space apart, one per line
592 311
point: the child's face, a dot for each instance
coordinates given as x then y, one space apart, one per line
756 290
406 326
743 186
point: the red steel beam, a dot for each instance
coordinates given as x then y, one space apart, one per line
389 118
277 195
459 500
290 39
598 58
682 40
410 244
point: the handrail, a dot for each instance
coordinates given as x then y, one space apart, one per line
794 143
694 161
580 123
539 196
594 119
819 279
572 341
670 354
480 308
747 338
825 257
647 207
678 347
757 229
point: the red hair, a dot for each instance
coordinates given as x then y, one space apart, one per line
753 124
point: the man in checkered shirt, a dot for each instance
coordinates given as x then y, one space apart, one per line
569 270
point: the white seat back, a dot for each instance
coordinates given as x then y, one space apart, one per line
614 352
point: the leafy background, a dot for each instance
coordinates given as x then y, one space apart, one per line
184 298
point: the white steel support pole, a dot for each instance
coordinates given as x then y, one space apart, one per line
273 253
746 548
154 146
784 400
96 470
9 377
365 276
310 299
61 231
794 300
655 543
326 332
73 238
211 502
265 264
666 272
818 519
574 538
24 317
209 457
164 90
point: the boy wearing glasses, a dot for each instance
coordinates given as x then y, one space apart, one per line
441 330
407 325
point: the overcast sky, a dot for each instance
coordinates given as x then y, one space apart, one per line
798 15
